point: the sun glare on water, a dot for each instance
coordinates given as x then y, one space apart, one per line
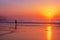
49 32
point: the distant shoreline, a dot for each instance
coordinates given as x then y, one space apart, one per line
34 22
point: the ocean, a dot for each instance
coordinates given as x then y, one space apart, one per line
29 31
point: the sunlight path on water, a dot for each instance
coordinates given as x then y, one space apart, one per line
49 32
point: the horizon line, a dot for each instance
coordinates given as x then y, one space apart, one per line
33 22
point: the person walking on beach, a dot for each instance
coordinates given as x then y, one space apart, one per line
15 24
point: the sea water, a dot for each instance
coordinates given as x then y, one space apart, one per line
29 31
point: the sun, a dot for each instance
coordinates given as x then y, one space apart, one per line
49 12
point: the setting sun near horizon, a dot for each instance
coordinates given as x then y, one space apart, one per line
49 12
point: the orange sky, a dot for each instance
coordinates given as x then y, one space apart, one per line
29 10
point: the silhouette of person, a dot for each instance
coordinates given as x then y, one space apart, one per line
15 24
